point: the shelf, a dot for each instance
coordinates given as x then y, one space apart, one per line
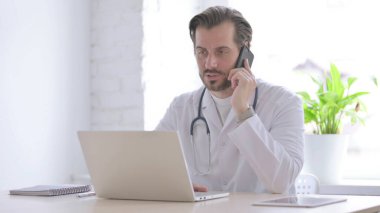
352 187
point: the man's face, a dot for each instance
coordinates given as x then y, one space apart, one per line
216 54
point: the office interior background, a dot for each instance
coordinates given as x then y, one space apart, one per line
68 65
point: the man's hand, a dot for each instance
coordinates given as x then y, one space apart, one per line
199 188
243 83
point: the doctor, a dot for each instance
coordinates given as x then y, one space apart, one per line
238 133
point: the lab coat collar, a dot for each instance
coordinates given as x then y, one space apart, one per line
210 113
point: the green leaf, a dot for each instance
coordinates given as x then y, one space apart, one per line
309 116
336 81
350 99
350 81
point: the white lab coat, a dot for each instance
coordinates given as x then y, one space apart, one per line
262 154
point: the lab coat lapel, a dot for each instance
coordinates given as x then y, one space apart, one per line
230 121
210 113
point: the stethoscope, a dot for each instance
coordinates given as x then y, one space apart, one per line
203 119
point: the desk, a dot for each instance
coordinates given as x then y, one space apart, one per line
236 202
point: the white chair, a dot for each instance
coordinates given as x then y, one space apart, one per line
307 184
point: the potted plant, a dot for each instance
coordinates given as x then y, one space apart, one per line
325 111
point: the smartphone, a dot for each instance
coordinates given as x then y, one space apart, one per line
244 53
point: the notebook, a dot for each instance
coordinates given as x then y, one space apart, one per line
139 165
51 190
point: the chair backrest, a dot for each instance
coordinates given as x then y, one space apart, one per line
307 184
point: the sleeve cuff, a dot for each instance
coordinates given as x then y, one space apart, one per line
245 115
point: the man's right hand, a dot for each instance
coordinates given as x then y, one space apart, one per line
199 188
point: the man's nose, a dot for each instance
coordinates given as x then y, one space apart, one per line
211 62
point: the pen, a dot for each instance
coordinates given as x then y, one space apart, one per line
86 194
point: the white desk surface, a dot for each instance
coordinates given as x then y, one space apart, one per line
236 202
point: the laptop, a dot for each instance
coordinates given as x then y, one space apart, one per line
139 165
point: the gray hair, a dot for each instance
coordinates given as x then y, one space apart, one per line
214 16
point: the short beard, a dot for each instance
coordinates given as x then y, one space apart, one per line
212 85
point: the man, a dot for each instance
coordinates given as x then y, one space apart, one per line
249 148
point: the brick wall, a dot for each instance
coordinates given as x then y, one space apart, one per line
117 92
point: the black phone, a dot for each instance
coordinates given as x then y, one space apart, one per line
243 54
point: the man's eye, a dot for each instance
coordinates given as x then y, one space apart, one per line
223 52
201 52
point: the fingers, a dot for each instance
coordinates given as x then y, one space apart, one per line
246 65
241 74
199 188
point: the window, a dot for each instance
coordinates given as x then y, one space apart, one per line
169 66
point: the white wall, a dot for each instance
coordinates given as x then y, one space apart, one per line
169 64
116 56
44 90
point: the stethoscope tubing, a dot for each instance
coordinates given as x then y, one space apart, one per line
200 117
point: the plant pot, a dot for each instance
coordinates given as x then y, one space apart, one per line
324 156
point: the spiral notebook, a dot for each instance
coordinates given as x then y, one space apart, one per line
51 190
